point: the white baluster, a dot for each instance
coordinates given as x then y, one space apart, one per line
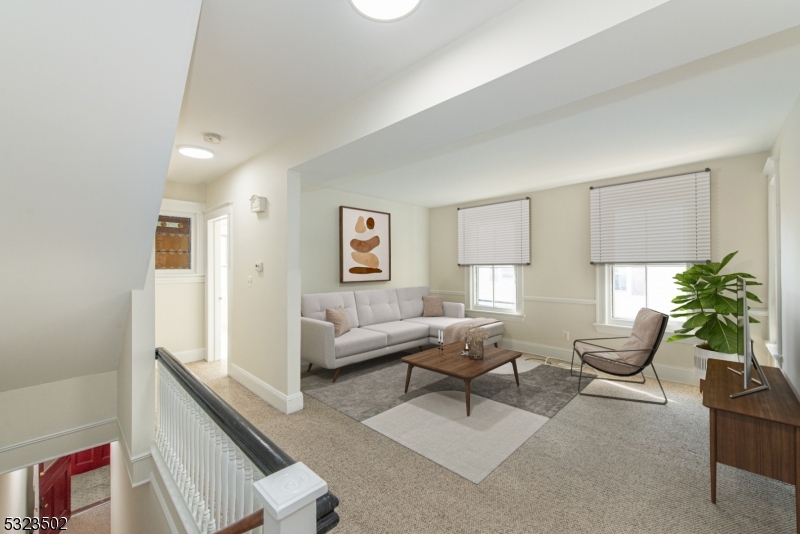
231 512
239 511
224 493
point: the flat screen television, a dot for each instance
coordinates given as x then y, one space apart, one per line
744 344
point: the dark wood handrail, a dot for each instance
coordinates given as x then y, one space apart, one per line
254 520
262 451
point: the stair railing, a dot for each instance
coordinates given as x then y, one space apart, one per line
222 472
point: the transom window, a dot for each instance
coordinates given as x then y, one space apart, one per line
495 286
643 286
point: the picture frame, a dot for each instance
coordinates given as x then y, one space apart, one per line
365 245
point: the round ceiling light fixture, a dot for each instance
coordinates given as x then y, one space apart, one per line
195 152
385 10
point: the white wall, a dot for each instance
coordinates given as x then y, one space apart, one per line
319 243
181 299
560 267
185 192
144 508
136 381
14 493
787 147
52 420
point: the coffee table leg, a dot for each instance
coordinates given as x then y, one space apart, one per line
466 392
408 375
516 375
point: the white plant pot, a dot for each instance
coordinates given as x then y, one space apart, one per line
701 357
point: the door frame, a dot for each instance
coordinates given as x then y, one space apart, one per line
218 212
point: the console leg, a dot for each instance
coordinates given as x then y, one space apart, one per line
712 417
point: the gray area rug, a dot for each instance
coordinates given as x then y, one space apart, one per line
437 427
365 389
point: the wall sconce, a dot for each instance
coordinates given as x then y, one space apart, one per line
258 204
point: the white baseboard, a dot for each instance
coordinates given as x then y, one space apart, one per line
285 403
187 356
683 375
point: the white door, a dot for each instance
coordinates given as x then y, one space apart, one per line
218 256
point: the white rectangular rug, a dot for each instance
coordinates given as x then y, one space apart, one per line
437 427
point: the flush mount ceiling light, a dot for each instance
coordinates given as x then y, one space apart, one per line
385 10
195 152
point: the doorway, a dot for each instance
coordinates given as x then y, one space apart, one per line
218 283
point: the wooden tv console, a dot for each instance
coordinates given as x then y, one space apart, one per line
759 433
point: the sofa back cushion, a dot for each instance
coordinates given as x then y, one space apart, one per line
314 305
377 306
410 301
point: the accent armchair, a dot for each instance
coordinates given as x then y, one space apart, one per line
629 360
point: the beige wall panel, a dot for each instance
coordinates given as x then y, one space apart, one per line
560 248
185 192
319 246
181 316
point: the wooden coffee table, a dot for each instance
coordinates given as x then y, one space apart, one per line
450 362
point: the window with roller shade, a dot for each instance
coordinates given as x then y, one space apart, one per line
494 241
665 220
495 234
642 234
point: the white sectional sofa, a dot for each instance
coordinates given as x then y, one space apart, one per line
383 321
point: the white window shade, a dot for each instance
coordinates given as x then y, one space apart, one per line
665 220
495 234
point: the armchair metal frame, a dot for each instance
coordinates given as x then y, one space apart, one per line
634 369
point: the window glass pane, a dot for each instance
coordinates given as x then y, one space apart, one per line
484 290
505 287
629 291
173 243
661 288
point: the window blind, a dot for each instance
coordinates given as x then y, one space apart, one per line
495 234
664 220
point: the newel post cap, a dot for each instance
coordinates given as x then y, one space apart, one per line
290 489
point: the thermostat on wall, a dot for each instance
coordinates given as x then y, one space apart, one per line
259 267
258 204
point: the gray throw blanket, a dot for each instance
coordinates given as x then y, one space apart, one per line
458 331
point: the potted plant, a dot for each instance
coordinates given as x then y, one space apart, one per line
709 310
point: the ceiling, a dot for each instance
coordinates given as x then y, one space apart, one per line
730 103
262 71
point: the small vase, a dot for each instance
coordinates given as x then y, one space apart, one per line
476 350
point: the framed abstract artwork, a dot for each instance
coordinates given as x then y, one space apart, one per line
365 245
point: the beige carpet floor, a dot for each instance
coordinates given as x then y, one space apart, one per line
598 466
95 520
91 487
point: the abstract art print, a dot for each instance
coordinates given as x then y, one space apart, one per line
365 245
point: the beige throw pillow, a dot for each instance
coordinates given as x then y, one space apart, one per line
341 323
432 306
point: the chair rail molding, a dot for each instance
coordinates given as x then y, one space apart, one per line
561 300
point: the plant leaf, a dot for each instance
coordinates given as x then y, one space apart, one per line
722 338
753 320
678 337
725 305
751 296
726 259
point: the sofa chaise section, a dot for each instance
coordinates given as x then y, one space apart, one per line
383 321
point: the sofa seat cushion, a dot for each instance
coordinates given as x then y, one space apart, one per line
435 324
358 340
398 332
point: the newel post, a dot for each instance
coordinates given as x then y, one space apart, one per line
289 498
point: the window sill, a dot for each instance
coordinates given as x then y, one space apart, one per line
511 317
618 330
180 278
